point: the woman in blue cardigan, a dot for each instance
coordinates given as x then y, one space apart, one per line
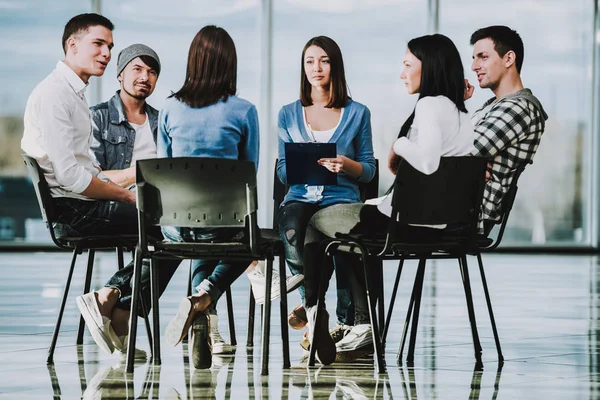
324 113
205 118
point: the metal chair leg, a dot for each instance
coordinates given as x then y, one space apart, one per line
471 310
372 313
490 309
135 299
266 319
189 293
251 313
377 265
86 289
232 338
154 293
392 301
120 262
407 320
285 340
417 308
50 359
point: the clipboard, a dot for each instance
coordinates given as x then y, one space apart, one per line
302 167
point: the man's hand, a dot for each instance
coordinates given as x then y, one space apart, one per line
335 165
130 197
393 161
469 89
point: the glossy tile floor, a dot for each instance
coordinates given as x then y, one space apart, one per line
546 309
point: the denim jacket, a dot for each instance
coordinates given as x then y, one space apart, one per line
113 140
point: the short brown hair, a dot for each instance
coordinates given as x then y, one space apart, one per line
211 73
82 23
338 90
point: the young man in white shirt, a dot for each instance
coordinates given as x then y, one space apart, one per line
58 134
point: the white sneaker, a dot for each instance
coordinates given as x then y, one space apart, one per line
218 344
258 278
359 336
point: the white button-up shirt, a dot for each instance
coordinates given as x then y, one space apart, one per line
58 132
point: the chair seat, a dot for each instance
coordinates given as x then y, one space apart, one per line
99 242
269 239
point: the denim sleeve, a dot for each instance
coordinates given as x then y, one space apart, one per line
163 140
363 144
284 137
97 144
251 147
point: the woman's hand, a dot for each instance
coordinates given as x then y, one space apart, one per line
469 89
335 165
393 161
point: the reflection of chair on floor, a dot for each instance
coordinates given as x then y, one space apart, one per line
203 382
452 195
410 382
76 244
112 382
204 193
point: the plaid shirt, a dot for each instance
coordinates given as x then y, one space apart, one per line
508 131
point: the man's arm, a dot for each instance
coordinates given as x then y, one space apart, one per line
122 177
502 127
57 135
100 190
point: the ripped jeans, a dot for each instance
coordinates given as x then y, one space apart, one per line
293 218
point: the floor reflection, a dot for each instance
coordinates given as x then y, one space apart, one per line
547 310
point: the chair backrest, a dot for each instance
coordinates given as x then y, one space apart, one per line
195 192
42 192
451 195
368 190
506 206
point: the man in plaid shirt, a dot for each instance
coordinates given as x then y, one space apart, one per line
509 126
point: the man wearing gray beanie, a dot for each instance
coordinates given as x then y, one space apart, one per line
125 127
124 130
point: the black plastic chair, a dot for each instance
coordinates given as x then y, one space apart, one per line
197 192
451 195
75 244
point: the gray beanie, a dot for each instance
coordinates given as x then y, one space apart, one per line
134 51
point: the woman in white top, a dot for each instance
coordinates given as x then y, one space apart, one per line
439 126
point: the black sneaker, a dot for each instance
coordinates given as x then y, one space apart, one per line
201 352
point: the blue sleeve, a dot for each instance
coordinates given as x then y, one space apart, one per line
363 145
283 137
97 145
163 140
251 148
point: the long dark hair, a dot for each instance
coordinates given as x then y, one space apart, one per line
338 89
442 72
211 73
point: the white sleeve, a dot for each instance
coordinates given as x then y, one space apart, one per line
57 132
424 152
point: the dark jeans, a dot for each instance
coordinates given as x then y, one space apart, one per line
349 218
293 219
83 218
211 276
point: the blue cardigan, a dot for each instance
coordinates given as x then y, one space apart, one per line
226 129
354 140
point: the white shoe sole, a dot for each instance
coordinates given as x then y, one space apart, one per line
174 332
292 283
90 313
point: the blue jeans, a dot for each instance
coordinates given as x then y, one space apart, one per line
76 217
293 219
211 276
